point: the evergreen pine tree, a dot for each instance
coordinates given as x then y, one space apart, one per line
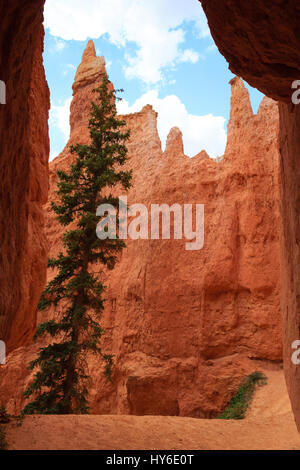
60 385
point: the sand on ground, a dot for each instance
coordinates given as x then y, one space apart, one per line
269 425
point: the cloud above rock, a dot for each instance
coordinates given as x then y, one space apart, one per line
199 132
158 42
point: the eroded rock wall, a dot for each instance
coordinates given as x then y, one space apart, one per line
260 40
184 326
24 151
290 253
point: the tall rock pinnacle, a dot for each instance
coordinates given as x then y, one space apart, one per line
89 76
242 120
90 69
90 52
240 113
174 144
241 109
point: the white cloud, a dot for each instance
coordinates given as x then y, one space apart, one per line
53 155
159 37
189 56
199 132
60 117
211 48
59 44
68 68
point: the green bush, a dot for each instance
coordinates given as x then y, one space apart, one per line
240 402
3 442
4 416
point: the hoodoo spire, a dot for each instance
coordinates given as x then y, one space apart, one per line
89 52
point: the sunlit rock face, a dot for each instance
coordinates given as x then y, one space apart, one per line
184 326
24 151
260 40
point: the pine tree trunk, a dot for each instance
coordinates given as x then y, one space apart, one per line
79 302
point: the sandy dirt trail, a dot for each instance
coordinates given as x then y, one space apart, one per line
269 425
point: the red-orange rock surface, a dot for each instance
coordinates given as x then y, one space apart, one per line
24 151
290 253
260 40
184 326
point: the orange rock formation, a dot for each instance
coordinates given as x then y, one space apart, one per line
258 40
24 152
184 326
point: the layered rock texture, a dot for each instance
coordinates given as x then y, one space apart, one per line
260 40
24 151
184 326
290 252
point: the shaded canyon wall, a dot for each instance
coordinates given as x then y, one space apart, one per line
260 40
24 151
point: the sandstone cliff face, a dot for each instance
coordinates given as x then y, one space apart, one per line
290 254
24 151
260 40
184 326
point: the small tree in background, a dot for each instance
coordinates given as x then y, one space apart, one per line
60 384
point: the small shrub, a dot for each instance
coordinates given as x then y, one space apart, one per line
240 402
4 416
3 442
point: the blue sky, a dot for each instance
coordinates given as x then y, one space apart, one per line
160 52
